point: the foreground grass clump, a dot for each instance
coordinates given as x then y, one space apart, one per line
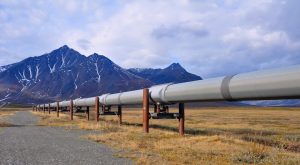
214 136
255 154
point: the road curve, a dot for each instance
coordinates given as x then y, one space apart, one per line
25 143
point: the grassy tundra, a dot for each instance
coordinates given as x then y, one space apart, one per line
6 112
213 136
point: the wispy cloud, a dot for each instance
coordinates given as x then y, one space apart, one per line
209 38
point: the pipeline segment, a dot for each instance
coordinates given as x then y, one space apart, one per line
283 83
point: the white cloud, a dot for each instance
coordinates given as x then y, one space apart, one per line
209 38
257 38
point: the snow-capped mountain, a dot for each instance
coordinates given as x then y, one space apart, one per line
66 74
173 73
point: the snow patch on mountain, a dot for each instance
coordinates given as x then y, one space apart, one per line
63 59
4 68
30 71
37 72
22 79
76 81
5 97
98 73
52 69
139 70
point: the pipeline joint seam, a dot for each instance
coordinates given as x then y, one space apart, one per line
225 91
119 98
163 95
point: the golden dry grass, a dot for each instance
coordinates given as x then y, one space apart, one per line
214 136
4 112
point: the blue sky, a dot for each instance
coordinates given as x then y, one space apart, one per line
209 38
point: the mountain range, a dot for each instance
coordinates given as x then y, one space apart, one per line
64 74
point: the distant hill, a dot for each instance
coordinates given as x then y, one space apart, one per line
64 73
275 103
173 73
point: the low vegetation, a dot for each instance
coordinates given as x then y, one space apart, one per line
4 112
214 136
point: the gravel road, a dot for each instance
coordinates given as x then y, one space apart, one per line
25 143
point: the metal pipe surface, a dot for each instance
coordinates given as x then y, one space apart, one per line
283 83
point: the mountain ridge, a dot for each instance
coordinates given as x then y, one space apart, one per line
64 73
160 76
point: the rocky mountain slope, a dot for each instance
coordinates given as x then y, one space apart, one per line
173 73
66 74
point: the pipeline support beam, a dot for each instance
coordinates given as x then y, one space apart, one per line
57 109
71 109
146 110
181 118
120 114
49 108
97 108
88 113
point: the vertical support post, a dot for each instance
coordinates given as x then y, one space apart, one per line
181 119
32 108
158 108
103 108
49 108
120 114
146 110
88 113
44 108
57 109
71 109
97 108
155 108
